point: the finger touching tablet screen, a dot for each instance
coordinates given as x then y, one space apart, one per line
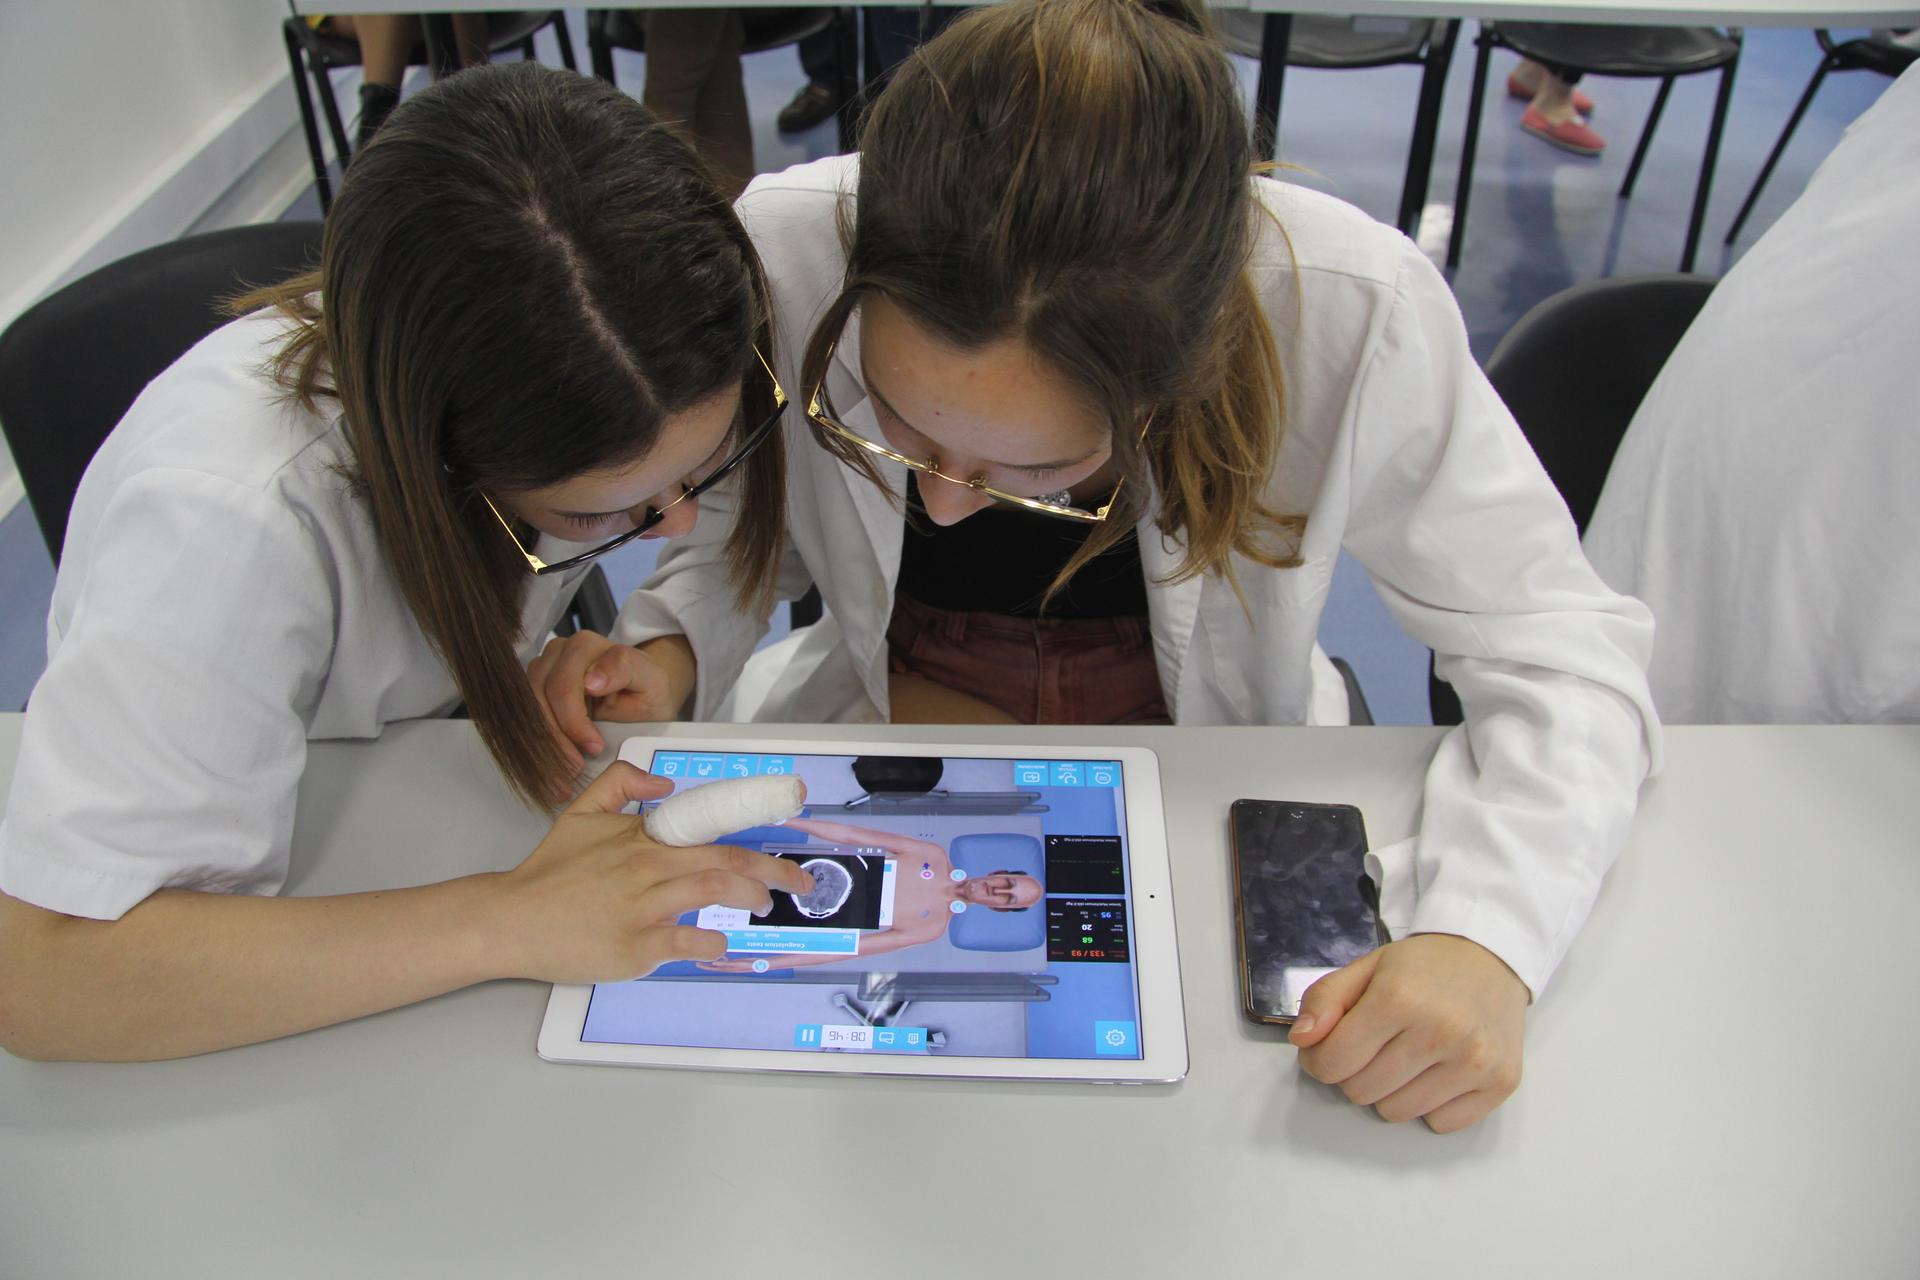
973 912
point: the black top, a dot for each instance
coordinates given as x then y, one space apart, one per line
1003 559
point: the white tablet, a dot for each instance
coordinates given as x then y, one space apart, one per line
979 911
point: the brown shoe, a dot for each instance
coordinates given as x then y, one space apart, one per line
814 103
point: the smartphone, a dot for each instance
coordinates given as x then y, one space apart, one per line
1305 903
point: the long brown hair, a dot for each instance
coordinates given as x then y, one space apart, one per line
524 274
1075 174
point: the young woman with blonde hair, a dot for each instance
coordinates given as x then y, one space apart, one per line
1089 411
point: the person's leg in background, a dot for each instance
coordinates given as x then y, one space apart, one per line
385 40
1524 81
895 32
817 100
694 81
1556 114
470 39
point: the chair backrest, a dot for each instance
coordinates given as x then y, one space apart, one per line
1573 370
72 365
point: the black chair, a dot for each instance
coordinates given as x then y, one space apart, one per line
1877 52
1330 43
73 363
1574 412
1664 52
312 53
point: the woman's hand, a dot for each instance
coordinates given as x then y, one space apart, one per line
1430 1026
584 677
598 900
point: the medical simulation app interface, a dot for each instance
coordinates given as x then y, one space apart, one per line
960 907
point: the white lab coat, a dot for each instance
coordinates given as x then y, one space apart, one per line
1397 449
1762 502
222 599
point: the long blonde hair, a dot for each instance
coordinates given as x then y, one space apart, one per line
1076 174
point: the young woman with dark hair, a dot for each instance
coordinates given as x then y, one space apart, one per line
1091 412
537 331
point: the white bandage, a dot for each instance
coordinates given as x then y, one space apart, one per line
704 814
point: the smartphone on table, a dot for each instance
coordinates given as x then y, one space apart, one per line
1304 901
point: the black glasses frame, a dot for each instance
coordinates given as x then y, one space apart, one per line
757 437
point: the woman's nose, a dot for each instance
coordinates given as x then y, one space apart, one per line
948 502
676 521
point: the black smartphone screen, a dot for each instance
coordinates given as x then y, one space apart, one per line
1306 904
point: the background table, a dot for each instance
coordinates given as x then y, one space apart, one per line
1719 1081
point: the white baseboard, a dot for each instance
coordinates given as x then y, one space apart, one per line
253 155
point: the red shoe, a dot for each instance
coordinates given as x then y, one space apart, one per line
1582 102
1568 135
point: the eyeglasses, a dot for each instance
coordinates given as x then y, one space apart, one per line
820 413
757 437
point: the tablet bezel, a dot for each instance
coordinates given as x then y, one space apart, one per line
1155 946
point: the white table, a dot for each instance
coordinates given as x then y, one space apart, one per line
1719 1082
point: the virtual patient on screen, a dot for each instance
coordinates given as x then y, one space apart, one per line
926 899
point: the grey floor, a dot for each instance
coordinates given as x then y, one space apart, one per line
1541 220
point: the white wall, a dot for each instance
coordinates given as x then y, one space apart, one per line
122 122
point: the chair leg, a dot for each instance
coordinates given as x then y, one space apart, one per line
297 65
330 105
1469 145
1714 130
1426 126
1646 136
1276 34
564 38
527 50
443 50
846 78
599 48
1779 148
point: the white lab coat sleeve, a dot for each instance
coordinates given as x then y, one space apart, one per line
691 594
1473 551
163 747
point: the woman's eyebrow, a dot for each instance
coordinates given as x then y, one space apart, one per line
718 451
884 403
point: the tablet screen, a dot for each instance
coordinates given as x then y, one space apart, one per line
962 907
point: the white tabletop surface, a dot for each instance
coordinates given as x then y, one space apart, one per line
1719 1083
1754 13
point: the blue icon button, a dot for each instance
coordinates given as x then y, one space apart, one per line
884 1037
1030 773
806 1036
1103 773
670 764
705 767
1069 773
915 1037
738 766
1119 1039
776 765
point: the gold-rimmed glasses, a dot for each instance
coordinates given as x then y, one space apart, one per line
820 412
754 439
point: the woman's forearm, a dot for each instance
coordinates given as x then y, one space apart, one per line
187 972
